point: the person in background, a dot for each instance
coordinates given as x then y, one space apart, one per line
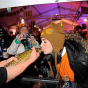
78 29
63 57
5 40
39 38
36 35
9 73
21 43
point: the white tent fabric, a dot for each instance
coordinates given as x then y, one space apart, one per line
69 12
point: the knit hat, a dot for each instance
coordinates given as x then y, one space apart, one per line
55 34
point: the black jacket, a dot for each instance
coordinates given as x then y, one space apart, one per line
78 58
3 76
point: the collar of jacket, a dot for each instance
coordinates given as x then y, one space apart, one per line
63 51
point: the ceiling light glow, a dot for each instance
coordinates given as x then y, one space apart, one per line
85 20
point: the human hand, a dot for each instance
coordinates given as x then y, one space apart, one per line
20 37
40 76
34 55
4 62
32 40
7 55
11 59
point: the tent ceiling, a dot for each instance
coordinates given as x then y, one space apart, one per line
43 14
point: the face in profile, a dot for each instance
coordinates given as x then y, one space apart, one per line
24 30
46 46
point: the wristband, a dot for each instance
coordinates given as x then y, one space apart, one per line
17 42
35 45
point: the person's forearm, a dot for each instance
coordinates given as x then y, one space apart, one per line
16 70
3 63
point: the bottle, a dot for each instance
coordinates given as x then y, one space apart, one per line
29 44
4 53
66 82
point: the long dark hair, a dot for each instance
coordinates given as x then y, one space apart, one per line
58 55
51 58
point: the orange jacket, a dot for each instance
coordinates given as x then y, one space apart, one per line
65 68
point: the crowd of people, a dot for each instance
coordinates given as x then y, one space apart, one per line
21 43
62 57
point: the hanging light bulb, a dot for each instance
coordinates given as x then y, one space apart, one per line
56 14
85 20
22 21
39 29
34 25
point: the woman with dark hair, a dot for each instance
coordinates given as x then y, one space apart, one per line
37 34
64 57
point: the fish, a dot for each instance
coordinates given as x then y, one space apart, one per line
22 57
